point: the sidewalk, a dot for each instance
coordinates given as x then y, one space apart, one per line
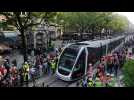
120 74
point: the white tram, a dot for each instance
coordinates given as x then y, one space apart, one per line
75 57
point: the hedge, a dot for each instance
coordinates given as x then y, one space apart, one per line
128 71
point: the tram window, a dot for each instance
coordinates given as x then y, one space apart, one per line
67 59
103 50
99 53
114 44
90 55
93 55
79 68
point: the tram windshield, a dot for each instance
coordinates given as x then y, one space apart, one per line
67 59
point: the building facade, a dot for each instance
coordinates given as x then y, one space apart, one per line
43 33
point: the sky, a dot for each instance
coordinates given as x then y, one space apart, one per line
129 15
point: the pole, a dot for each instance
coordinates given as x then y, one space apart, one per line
107 49
101 53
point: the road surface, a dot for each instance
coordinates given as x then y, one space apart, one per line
51 81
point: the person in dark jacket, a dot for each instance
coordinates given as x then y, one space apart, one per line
7 65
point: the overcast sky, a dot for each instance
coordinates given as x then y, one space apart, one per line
129 15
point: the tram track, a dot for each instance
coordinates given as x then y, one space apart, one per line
53 81
58 83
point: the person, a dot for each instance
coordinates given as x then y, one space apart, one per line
41 59
37 60
103 62
32 73
124 58
90 71
45 66
21 76
14 75
102 69
26 72
120 59
40 70
116 64
90 82
1 76
7 65
84 82
109 64
5 73
53 65
2 69
99 75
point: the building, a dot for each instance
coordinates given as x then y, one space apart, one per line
44 32
30 39
40 42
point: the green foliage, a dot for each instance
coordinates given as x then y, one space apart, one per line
3 25
128 71
92 21
26 20
80 22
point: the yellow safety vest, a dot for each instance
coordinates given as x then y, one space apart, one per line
26 72
90 83
26 68
53 65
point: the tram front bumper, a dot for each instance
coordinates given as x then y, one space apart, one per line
63 77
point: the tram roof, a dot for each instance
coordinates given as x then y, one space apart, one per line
98 43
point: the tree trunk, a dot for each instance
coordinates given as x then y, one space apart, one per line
23 37
24 47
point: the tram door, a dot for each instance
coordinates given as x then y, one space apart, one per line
79 69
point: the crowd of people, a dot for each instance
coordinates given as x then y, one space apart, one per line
106 70
45 63
12 76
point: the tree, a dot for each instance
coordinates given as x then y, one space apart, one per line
93 22
128 72
119 23
23 20
3 25
84 21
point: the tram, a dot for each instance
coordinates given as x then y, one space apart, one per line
74 59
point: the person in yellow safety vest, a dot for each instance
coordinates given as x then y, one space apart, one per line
26 72
53 65
90 82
